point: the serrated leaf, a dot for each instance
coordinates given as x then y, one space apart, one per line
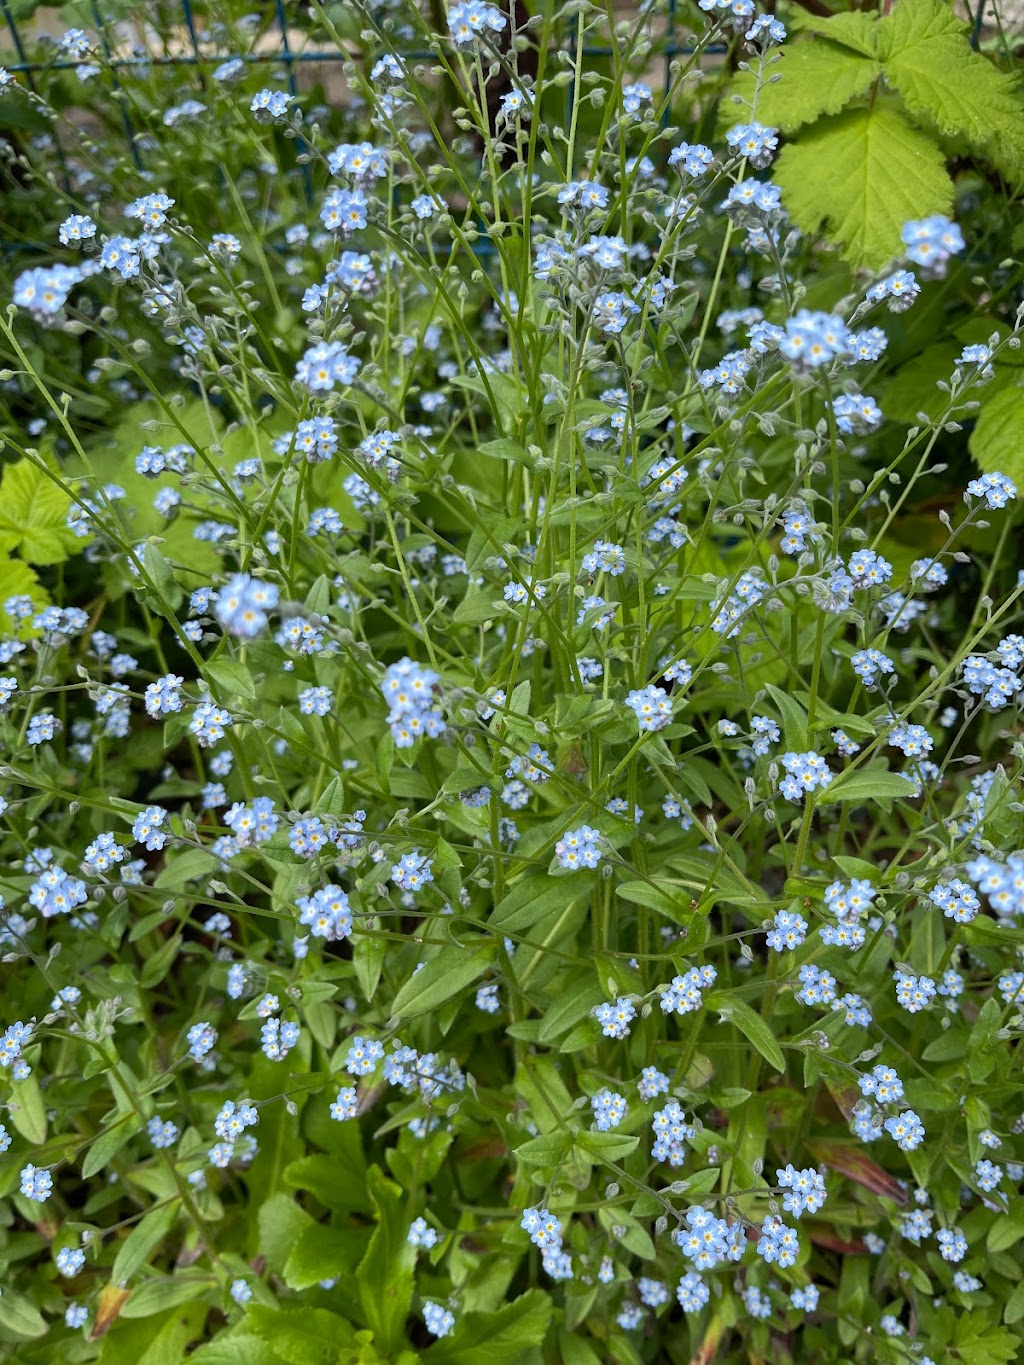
856 29
33 513
996 442
890 172
929 60
817 78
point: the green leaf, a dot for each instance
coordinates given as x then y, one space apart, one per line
855 29
574 1003
818 78
794 717
28 1113
301 1336
890 172
607 1146
674 907
866 785
230 678
927 57
321 1252
142 1239
996 441
109 1142
17 580
168 590
500 1336
504 449
451 971
153 1296
385 1274
33 512
530 900
281 1223
243 1349
751 1025
546 1150
19 1315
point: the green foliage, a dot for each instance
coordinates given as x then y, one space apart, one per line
539 1025
863 163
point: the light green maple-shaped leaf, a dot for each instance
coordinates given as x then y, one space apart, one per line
817 78
18 580
926 56
33 515
996 441
857 30
863 173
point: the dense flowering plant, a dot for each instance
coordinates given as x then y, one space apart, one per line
512 846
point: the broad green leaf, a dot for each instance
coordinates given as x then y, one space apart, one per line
230 678
546 1150
166 1291
500 1336
443 977
996 442
817 78
166 587
27 1111
540 1083
18 580
337 1183
575 1002
301 1336
927 57
108 1143
856 29
142 1239
385 1274
243 1349
751 1025
607 1146
891 172
529 900
281 1223
160 1340
321 1252
866 785
19 1315
33 513
673 903
794 717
